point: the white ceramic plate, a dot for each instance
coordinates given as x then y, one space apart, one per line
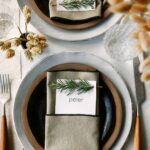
81 58
71 35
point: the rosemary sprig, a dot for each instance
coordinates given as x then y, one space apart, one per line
70 86
77 4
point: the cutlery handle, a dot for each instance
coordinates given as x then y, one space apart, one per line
3 133
137 135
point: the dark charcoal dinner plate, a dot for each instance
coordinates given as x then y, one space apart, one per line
41 8
37 109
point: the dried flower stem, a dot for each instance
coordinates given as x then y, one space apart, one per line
19 29
15 38
26 27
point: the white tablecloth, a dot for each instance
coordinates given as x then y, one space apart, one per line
93 46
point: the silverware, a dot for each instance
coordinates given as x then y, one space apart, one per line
140 97
4 97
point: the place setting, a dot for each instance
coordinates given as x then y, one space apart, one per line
89 20
75 100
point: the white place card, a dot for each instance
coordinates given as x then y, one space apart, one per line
84 103
62 8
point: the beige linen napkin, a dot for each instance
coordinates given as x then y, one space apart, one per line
74 15
70 132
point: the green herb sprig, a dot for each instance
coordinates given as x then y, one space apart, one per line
70 86
77 4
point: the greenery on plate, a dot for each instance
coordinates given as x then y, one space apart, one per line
71 86
77 4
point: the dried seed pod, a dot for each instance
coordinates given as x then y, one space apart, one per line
34 42
138 8
26 10
27 18
148 23
10 53
144 40
147 14
145 64
142 1
16 42
1 43
37 50
43 45
122 7
29 45
28 55
30 36
6 45
43 38
145 76
145 28
113 2
135 35
35 35
139 19
139 48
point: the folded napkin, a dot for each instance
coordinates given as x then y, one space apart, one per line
74 15
71 131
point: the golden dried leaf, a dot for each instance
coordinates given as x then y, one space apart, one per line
144 39
113 2
146 64
145 76
138 8
10 53
139 19
122 7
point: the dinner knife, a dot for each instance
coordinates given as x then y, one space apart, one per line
140 97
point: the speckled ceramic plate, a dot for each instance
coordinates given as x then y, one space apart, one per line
79 58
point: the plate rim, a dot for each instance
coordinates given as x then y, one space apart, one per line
74 57
84 25
70 35
116 98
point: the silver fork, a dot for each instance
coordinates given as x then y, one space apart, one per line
4 98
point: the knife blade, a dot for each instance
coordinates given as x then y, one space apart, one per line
139 86
140 97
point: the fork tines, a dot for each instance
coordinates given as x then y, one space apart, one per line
4 83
